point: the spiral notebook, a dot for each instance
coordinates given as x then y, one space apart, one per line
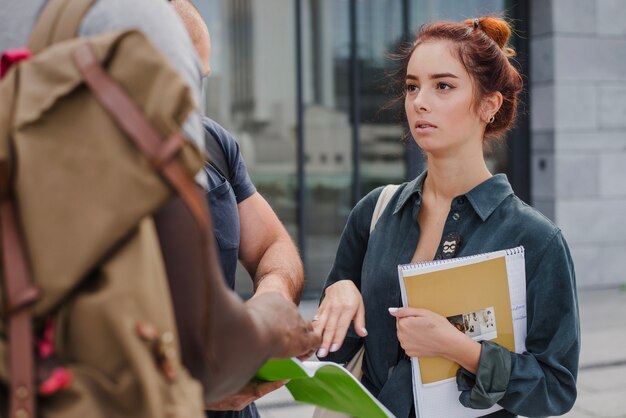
483 296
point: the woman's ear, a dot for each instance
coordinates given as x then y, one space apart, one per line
490 105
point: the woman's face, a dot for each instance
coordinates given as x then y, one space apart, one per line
438 101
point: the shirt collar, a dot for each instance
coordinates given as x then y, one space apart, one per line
409 190
484 198
488 195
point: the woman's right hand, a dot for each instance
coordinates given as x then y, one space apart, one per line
342 303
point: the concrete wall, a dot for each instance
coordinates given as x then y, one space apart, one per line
578 128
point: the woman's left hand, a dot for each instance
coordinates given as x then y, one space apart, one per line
424 333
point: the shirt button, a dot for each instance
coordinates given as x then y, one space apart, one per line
460 200
456 216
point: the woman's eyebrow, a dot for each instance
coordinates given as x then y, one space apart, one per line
442 75
432 76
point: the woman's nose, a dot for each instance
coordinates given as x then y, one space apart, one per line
419 102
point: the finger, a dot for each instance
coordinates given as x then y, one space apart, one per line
307 355
311 343
343 323
328 335
317 322
359 320
404 312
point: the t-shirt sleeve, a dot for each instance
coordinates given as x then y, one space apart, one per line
239 178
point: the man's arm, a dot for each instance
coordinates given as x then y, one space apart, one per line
267 251
223 340
271 258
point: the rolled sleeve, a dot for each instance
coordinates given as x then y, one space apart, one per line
542 380
489 385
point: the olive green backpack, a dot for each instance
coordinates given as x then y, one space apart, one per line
88 156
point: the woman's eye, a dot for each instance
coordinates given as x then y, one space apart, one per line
444 86
410 88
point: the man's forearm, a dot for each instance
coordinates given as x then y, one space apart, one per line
267 251
280 270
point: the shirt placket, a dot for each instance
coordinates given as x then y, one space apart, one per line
452 237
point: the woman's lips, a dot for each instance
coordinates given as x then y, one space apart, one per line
422 127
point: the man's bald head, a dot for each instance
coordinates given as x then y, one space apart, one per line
198 32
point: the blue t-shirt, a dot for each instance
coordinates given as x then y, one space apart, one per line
224 196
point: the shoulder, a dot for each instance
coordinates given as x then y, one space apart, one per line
539 235
146 15
531 223
224 138
157 20
227 143
368 202
364 209
16 20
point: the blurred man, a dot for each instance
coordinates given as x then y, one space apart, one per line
245 225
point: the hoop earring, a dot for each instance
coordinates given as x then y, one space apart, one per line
492 119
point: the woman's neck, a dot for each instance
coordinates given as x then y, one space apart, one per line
452 176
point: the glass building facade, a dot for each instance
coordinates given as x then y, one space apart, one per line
306 87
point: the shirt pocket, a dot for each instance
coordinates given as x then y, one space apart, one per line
225 216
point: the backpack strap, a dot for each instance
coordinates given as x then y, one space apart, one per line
217 158
20 295
160 152
382 202
59 21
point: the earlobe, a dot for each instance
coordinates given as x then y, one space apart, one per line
490 106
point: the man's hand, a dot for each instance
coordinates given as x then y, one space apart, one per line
250 393
281 323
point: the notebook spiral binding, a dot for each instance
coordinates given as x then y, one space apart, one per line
510 251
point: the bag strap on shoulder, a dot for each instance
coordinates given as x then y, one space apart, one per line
382 202
59 21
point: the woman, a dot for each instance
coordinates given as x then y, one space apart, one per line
460 90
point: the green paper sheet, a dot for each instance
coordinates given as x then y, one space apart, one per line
324 384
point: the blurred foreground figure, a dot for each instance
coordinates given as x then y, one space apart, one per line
111 286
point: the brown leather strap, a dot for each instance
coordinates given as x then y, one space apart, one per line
137 126
168 150
60 20
20 296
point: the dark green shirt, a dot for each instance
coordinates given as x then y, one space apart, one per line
539 382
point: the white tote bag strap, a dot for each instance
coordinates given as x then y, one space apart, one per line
382 202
